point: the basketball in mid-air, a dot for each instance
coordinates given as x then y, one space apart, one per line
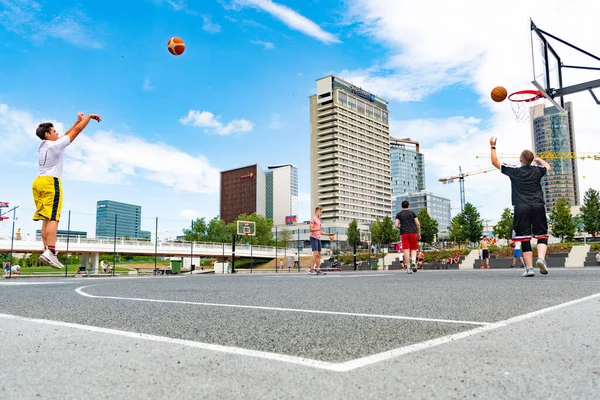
176 46
498 94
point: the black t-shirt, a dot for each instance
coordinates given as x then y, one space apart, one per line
407 221
525 184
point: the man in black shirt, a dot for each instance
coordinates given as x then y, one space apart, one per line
410 232
530 208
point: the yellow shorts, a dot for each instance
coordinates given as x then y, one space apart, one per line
47 196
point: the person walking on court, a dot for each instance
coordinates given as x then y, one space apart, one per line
410 232
315 241
529 205
517 254
485 253
47 188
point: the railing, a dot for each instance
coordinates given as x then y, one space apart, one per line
94 245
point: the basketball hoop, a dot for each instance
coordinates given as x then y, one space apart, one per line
523 102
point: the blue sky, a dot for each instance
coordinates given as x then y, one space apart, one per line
239 93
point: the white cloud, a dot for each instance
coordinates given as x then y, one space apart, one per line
147 86
291 18
265 45
210 26
112 158
26 18
205 119
468 48
193 214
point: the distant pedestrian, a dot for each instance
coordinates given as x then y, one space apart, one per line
410 232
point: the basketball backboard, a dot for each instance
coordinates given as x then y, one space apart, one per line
246 228
548 69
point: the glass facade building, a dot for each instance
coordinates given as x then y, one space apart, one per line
128 217
407 167
438 207
553 132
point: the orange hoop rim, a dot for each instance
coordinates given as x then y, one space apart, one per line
535 95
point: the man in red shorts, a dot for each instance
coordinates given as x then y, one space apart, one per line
410 232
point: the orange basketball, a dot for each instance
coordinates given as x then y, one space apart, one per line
176 46
498 94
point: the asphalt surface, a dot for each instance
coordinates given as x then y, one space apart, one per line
406 343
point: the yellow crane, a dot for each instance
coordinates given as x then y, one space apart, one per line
550 155
461 178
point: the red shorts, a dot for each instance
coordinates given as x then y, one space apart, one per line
409 241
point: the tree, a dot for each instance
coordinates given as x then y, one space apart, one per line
284 237
472 223
353 234
457 231
377 232
198 231
429 226
561 220
504 228
217 231
590 212
389 233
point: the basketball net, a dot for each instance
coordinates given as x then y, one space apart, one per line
523 104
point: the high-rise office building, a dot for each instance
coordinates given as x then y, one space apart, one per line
243 191
128 219
438 207
281 192
407 167
349 153
553 131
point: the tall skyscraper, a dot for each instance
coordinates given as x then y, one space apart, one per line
553 131
281 192
129 219
408 167
349 153
438 207
243 191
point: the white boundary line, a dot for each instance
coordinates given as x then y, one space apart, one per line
387 355
80 291
33 283
205 346
337 367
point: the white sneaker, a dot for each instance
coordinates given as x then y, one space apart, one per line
541 264
49 258
529 272
409 269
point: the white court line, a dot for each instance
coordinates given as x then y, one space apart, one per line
387 355
182 342
450 321
337 367
31 283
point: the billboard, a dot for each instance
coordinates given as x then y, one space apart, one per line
290 220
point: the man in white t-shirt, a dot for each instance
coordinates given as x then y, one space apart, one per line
47 189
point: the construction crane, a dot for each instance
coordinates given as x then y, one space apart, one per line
552 155
461 178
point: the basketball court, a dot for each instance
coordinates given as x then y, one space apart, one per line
436 333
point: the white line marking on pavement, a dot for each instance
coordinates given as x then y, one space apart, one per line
30 283
450 321
204 346
387 355
337 367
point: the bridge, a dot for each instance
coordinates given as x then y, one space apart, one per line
91 248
